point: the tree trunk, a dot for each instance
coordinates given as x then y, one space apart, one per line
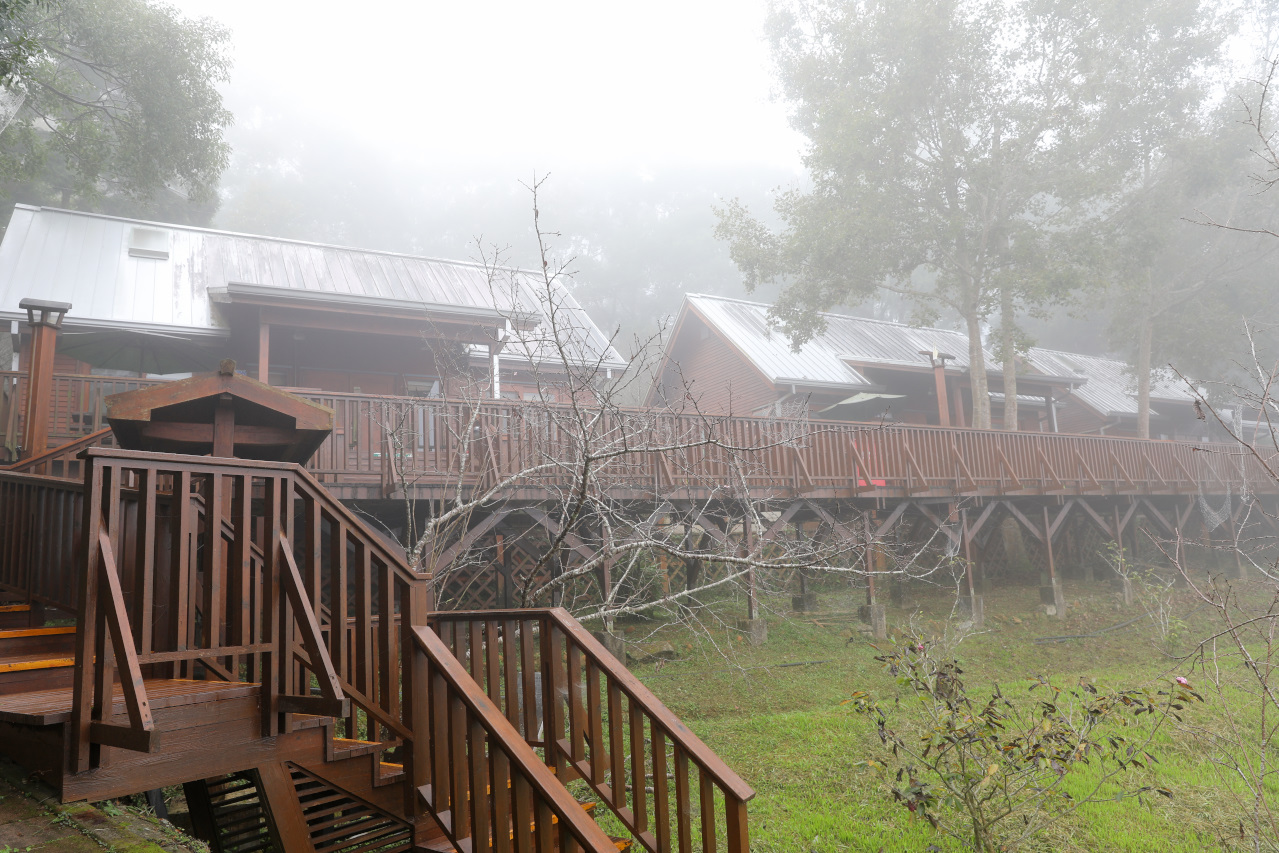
1008 344
977 372
1145 333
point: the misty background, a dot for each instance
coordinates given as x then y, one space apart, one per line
414 127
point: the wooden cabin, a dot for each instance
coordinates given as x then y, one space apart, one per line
1105 402
727 357
149 300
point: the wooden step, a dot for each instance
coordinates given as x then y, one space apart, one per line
20 663
36 671
37 642
15 615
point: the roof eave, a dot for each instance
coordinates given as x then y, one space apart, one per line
257 294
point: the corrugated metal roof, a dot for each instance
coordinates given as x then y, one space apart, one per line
829 358
85 259
1111 388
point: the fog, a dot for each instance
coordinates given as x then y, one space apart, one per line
409 127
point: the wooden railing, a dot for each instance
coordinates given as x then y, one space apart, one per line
484 785
40 520
381 444
247 570
591 718
64 460
76 406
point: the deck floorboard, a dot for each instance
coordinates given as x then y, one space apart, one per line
50 707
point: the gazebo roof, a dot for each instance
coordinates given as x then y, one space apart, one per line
223 414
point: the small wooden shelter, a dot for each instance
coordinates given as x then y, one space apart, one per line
222 414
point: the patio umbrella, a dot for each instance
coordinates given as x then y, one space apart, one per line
137 352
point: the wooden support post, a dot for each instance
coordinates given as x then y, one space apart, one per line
869 556
975 608
943 403
752 608
1052 594
501 560
264 352
1119 533
224 427
44 320
876 616
1241 571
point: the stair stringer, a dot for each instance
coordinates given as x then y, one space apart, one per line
338 821
356 776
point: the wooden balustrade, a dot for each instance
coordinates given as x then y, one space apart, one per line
382 444
592 719
64 460
249 571
39 534
76 405
481 781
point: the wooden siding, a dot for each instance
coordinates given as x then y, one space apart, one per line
713 373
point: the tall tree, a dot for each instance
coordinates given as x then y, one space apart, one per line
117 100
949 157
1163 158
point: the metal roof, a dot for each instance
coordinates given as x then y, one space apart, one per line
1111 388
836 355
126 273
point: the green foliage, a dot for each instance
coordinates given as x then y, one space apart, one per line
119 104
1007 765
960 151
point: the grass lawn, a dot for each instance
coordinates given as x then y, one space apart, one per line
783 728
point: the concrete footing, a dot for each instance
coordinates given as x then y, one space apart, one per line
805 603
1127 591
972 608
876 616
756 630
1054 598
616 645
1090 573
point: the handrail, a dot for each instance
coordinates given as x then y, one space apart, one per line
315 489
40 463
463 763
833 458
595 713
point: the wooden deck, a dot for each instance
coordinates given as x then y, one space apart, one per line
443 446
53 707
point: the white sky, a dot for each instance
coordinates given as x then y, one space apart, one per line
586 83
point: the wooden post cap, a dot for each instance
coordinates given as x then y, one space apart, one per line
226 367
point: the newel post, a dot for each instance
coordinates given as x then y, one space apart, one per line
45 319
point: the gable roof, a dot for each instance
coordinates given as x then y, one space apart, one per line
1110 389
135 274
839 354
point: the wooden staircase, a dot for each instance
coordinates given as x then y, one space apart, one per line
36 658
233 620
230 813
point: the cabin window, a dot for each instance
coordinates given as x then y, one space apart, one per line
422 388
149 243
